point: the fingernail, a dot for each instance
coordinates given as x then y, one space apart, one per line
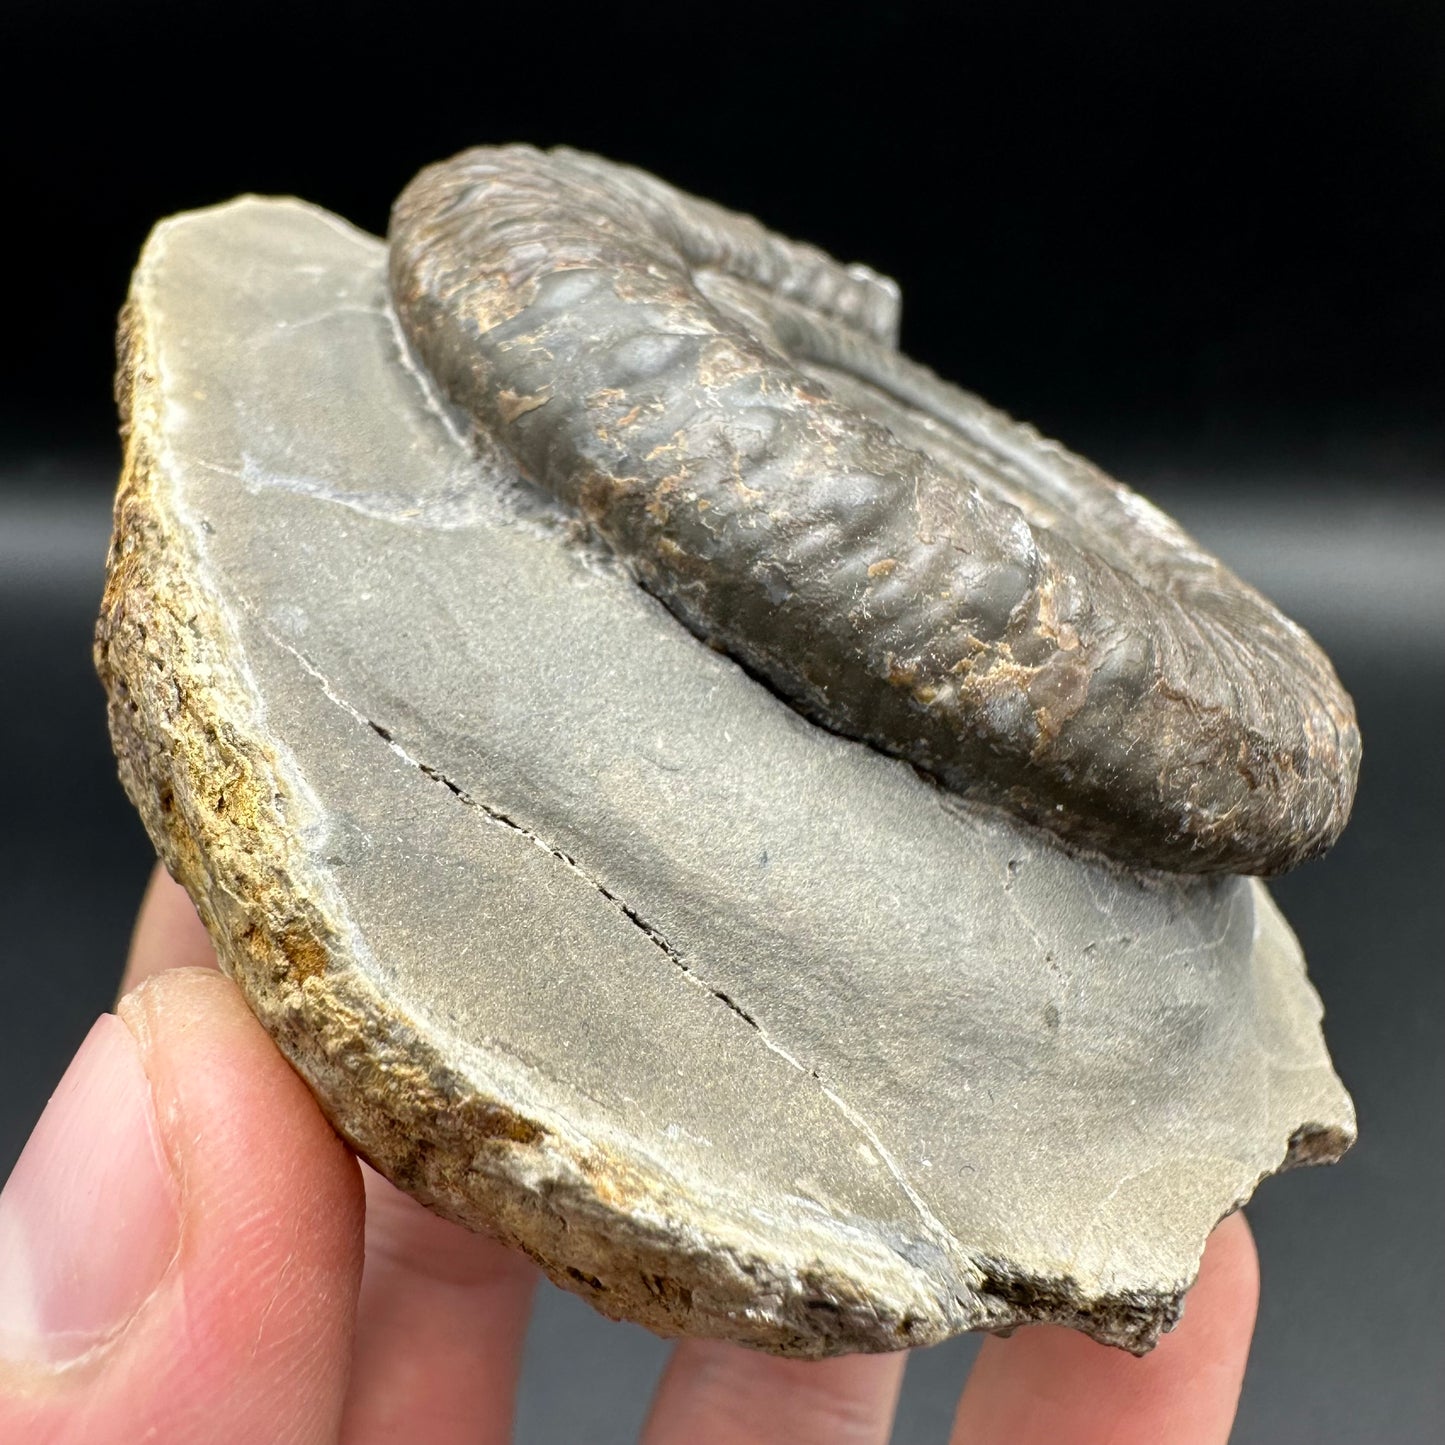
90 1219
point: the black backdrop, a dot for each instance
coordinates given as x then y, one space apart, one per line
1188 221
1202 243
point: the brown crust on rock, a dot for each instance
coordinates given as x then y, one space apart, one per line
990 608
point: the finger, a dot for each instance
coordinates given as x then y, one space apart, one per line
443 1312
180 1243
719 1394
168 934
1053 1385
439 1340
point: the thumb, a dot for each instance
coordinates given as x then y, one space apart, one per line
180 1242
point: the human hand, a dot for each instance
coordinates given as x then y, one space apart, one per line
181 1261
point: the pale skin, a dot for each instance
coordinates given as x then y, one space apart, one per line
302 1300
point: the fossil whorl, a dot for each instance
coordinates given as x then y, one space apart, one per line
903 563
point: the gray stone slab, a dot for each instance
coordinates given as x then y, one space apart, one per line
583 936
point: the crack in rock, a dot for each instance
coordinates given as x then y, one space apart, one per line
494 815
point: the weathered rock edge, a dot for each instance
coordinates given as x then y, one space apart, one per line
222 808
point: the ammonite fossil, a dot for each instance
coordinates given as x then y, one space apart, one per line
739 944
899 560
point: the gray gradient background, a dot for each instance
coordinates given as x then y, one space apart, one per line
1205 245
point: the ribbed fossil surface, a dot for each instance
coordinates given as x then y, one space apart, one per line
905 564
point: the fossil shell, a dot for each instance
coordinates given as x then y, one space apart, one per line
902 562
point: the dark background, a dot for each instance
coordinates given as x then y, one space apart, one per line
1201 243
